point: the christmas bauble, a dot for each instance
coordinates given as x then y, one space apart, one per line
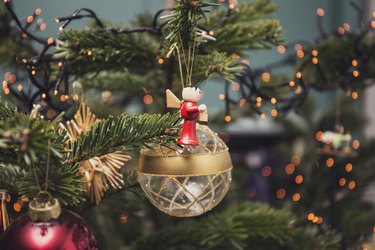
186 181
68 231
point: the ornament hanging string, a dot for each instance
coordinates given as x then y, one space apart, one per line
35 174
47 167
338 108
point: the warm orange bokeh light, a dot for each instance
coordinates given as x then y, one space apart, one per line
17 206
242 102
281 49
160 60
351 185
280 193
289 169
355 95
148 99
320 12
330 162
266 171
356 144
342 182
319 135
300 53
266 77
296 197
299 179
348 167
295 160
310 216
227 118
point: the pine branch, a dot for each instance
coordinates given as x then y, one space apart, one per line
240 226
335 66
64 183
239 223
6 110
217 64
90 50
28 137
125 82
124 133
8 156
183 25
246 11
251 27
238 37
9 174
312 238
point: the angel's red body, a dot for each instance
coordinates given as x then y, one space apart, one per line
190 113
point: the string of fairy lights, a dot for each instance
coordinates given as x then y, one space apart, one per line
45 86
252 87
305 56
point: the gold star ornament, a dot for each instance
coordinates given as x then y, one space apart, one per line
100 173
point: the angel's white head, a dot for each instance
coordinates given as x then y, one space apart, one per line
192 94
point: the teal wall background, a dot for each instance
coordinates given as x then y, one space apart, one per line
298 17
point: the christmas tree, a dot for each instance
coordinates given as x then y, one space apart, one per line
56 153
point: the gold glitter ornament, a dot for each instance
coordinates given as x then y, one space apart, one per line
100 173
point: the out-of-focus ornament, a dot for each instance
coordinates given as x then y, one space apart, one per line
336 142
47 226
190 111
4 219
186 181
102 172
369 244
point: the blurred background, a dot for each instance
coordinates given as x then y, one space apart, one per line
276 160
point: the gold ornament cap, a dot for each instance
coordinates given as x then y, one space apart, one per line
44 208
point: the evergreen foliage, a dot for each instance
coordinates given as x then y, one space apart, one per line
34 156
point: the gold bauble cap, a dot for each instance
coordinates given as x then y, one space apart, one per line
44 208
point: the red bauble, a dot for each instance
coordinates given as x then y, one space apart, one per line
68 232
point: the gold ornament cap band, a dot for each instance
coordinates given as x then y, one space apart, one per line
44 208
192 164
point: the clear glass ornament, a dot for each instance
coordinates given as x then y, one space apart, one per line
186 181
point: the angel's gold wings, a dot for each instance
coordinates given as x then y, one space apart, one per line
174 102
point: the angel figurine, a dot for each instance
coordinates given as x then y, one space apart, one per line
191 113
336 142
